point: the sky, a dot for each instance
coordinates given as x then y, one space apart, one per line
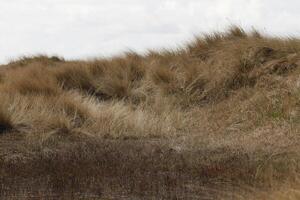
79 29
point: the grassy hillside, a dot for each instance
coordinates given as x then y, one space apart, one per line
217 119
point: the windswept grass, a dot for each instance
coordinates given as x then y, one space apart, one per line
216 119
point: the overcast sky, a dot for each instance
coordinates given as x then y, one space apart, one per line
91 28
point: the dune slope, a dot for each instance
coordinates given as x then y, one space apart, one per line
216 119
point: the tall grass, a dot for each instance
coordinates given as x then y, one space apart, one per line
218 117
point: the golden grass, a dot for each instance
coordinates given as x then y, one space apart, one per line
218 118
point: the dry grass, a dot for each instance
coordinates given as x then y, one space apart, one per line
217 119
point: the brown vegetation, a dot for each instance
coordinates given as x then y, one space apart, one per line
217 119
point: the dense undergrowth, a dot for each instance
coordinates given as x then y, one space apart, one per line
217 119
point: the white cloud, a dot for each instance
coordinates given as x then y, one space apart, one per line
80 28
